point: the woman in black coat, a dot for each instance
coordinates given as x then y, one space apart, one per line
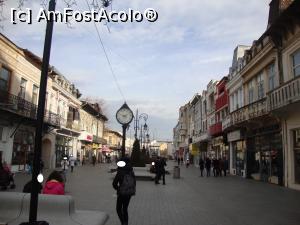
201 165
123 199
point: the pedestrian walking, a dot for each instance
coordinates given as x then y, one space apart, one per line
157 170
225 167
163 170
215 167
72 161
94 160
221 166
178 160
208 166
201 165
125 185
64 166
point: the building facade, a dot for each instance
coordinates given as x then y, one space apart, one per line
260 120
20 72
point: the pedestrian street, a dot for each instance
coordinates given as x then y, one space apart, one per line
190 200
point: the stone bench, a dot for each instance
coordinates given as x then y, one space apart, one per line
143 172
55 209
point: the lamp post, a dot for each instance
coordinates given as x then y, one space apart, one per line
143 127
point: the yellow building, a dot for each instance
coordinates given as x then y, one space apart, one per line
114 143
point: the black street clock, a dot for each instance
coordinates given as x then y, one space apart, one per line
124 115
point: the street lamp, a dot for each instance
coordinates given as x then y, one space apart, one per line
142 129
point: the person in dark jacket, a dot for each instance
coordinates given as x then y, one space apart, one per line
123 200
201 165
163 170
28 187
158 170
208 166
215 167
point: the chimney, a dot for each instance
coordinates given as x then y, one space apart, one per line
276 8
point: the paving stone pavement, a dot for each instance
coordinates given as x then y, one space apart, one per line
192 200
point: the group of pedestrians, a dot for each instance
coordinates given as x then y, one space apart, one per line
55 185
219 166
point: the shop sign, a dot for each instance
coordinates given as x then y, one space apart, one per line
96 145
193 149
234 136
85 136
217 141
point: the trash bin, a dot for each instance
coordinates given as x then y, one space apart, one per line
176 172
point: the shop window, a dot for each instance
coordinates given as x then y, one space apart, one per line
297 155
22 148
4 79
296 63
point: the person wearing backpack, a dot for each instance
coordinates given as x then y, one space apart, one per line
125 185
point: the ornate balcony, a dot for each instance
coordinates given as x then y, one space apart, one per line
73 125
286 94
250 111
221 101
226 122
21 107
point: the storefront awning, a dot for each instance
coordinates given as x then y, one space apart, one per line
106 149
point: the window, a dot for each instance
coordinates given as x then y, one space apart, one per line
35 91
22 88
4 79
296 63
251 91
260 86
240 98
271 75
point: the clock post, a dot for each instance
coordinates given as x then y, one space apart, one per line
124 139
124 116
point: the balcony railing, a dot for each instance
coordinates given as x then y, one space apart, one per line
73 124
215 129
20 106
253 110
285 94
221 101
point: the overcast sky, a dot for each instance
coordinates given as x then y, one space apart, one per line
160 65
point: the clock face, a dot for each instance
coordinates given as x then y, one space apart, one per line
124 116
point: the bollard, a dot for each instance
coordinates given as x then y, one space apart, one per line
176 172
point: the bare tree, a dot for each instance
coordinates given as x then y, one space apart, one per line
99 101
